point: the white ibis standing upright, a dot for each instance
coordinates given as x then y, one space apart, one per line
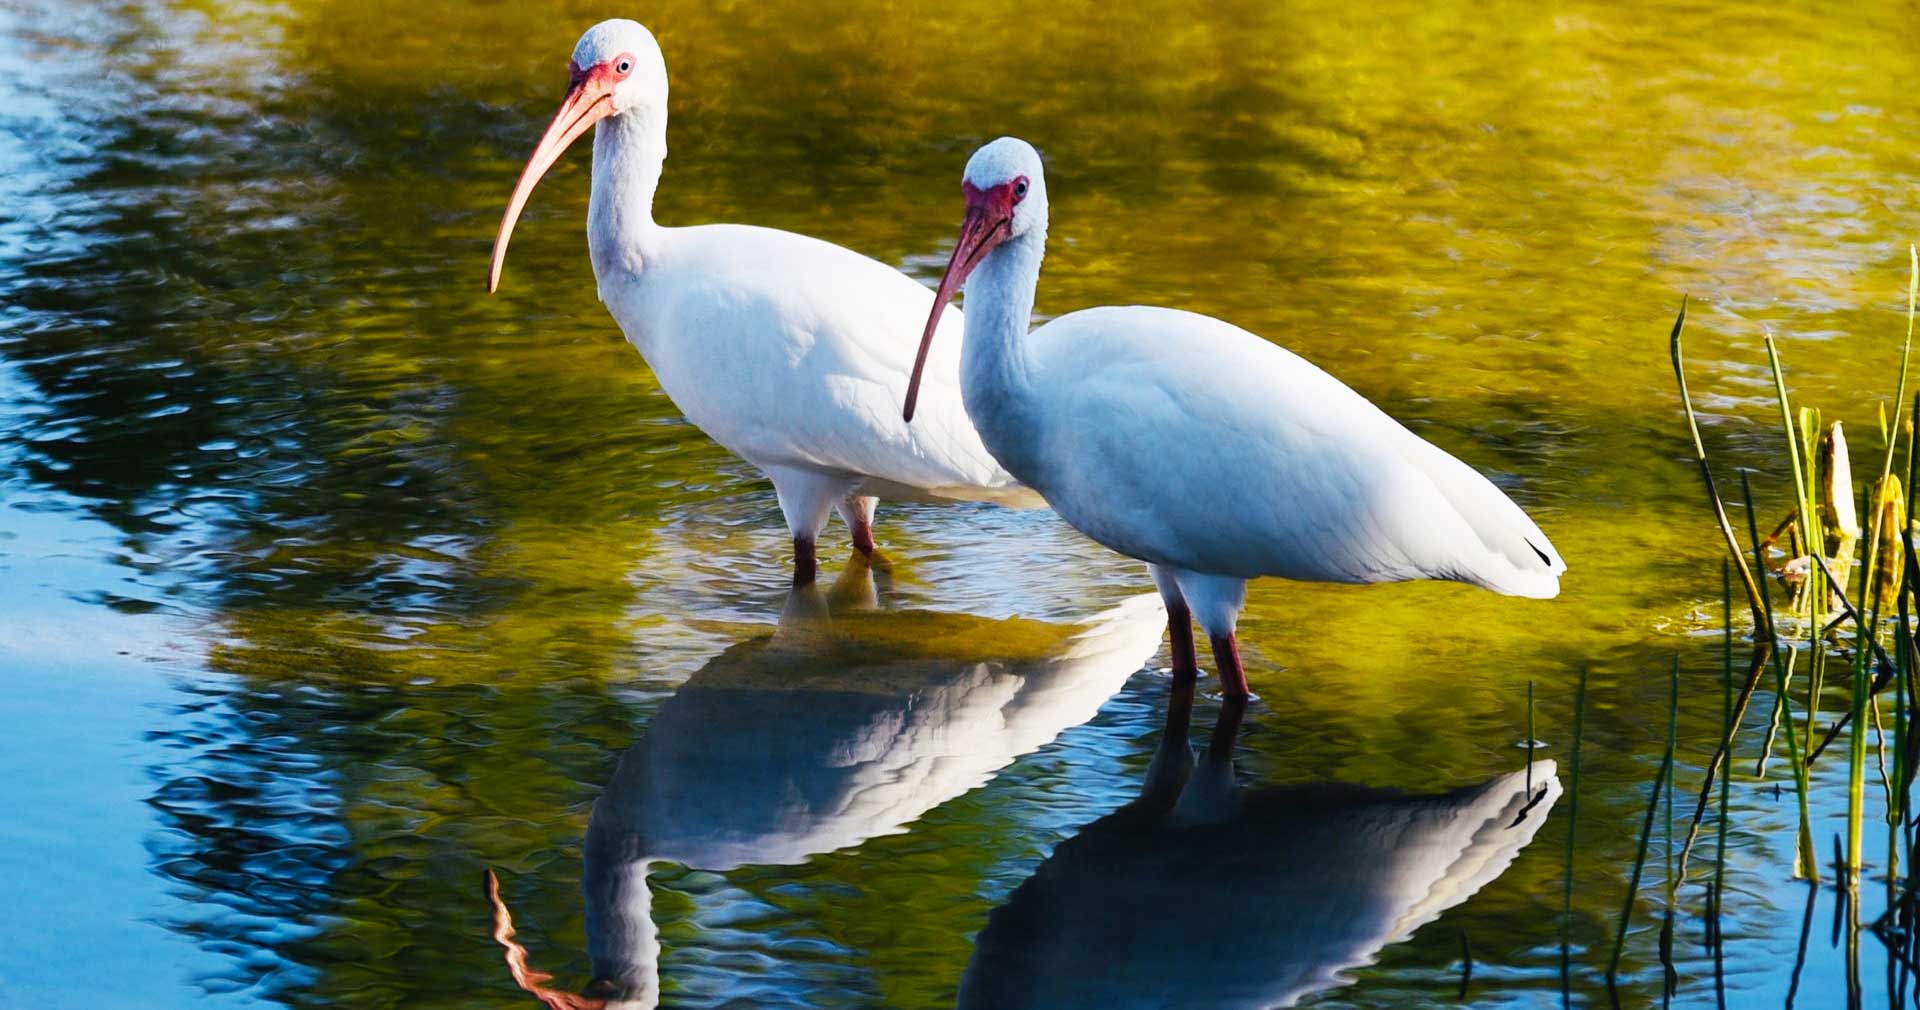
782 348
1200 448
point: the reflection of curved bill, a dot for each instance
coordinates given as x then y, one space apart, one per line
1201 895
831 731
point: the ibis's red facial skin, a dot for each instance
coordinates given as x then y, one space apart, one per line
589 99
988 223
995 202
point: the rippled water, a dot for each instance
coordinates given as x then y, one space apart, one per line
330 582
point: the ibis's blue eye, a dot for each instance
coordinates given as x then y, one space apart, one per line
1020 189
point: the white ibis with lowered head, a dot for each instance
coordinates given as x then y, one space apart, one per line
1200 448
784 349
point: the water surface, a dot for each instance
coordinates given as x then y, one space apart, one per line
330 582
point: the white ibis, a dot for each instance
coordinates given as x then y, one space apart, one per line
782 348
1202 449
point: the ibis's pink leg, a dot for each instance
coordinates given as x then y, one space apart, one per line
1226 656
1186 665
806 499
857 510
805 567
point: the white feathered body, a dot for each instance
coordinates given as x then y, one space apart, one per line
1193 444
794 353
1202 449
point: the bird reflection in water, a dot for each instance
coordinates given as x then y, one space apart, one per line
1201 894
845 724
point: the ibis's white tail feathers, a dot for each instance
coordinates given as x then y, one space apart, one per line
1517 559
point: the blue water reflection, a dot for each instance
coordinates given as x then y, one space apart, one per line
1203 893
847 723
844 724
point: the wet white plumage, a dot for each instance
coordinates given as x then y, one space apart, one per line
1202 449
1189 442
785 349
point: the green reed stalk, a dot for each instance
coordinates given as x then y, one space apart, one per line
1862 697
1817 586
1899 802
1801 488
1673 711
1530 738
1816 662
1851 902
1899 397
1646 826
1801 452
1906 702
1780 713
1857 749
1573 823
1722 754
1868 645
1734 550
1808 863
1909 702
1809 447
1894 805
1896 790
1727 727
1880 747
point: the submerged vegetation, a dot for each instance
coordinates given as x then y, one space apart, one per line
1843 620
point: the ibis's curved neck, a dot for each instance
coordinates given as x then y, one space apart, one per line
996 377
628 150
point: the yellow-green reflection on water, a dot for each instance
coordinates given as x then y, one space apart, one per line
432 558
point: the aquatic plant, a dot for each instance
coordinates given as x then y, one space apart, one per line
1842 582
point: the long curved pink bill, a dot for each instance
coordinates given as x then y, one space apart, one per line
977 236
588 101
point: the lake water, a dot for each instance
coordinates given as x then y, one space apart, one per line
328 582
